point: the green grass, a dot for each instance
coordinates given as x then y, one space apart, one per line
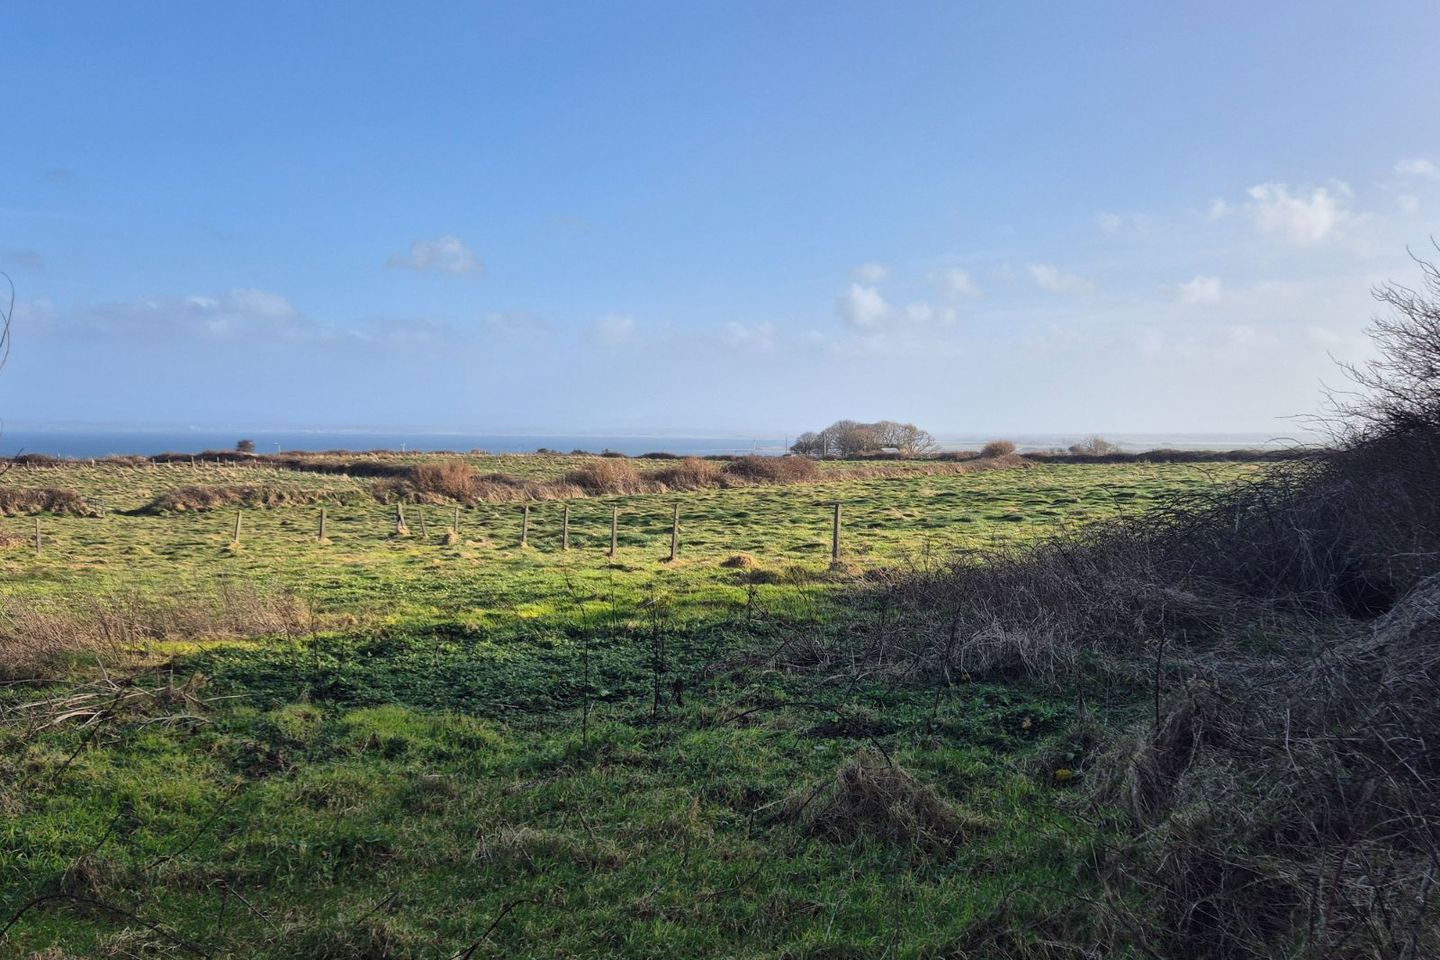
470 750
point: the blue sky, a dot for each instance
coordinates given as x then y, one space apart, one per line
744 216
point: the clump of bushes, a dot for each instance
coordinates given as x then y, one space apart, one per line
997 448
606 476
755 469
15 501
691 473
202 496
451 480
35 460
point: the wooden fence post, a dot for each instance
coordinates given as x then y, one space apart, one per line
37 534
525 527
675 533
424 528
614 529
323 518
401 529
565 528
236 537
835 536
455 526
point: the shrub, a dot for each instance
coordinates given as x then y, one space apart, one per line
201 496
692 473
755 469
451 480
1095 446
606 475
998 448
26 500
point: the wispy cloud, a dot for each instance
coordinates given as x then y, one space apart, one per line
1301 218
444 254
1052 278
1199 291
871 273
1418 167
615 328
956 284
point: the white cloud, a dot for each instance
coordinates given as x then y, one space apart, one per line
614 328
754 336
444 254
1219 210
1418 167
863 309
1114 223
1299 218
1052 278
1199 291
956 284
1409 204
238 314
870 273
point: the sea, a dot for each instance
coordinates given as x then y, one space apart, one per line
83 442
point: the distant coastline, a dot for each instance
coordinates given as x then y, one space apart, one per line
85 442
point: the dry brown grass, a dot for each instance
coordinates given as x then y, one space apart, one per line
870 795
451 480
15 501
40 633
691 473
998 448
607 476
773 469
200 497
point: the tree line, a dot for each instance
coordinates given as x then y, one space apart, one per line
850 438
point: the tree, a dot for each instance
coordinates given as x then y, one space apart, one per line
808 444
906 438
1094 446
245 446
847 438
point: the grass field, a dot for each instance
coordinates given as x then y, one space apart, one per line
472 749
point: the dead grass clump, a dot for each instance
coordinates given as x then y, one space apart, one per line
691 473
451 480
740 561
15 501
871 796
200 497
998 448
755 469
606 476
38 634
1275 797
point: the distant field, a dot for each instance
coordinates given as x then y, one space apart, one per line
366 568
476 750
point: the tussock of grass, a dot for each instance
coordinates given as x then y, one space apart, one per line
39 633
872 796
215 497
15 501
